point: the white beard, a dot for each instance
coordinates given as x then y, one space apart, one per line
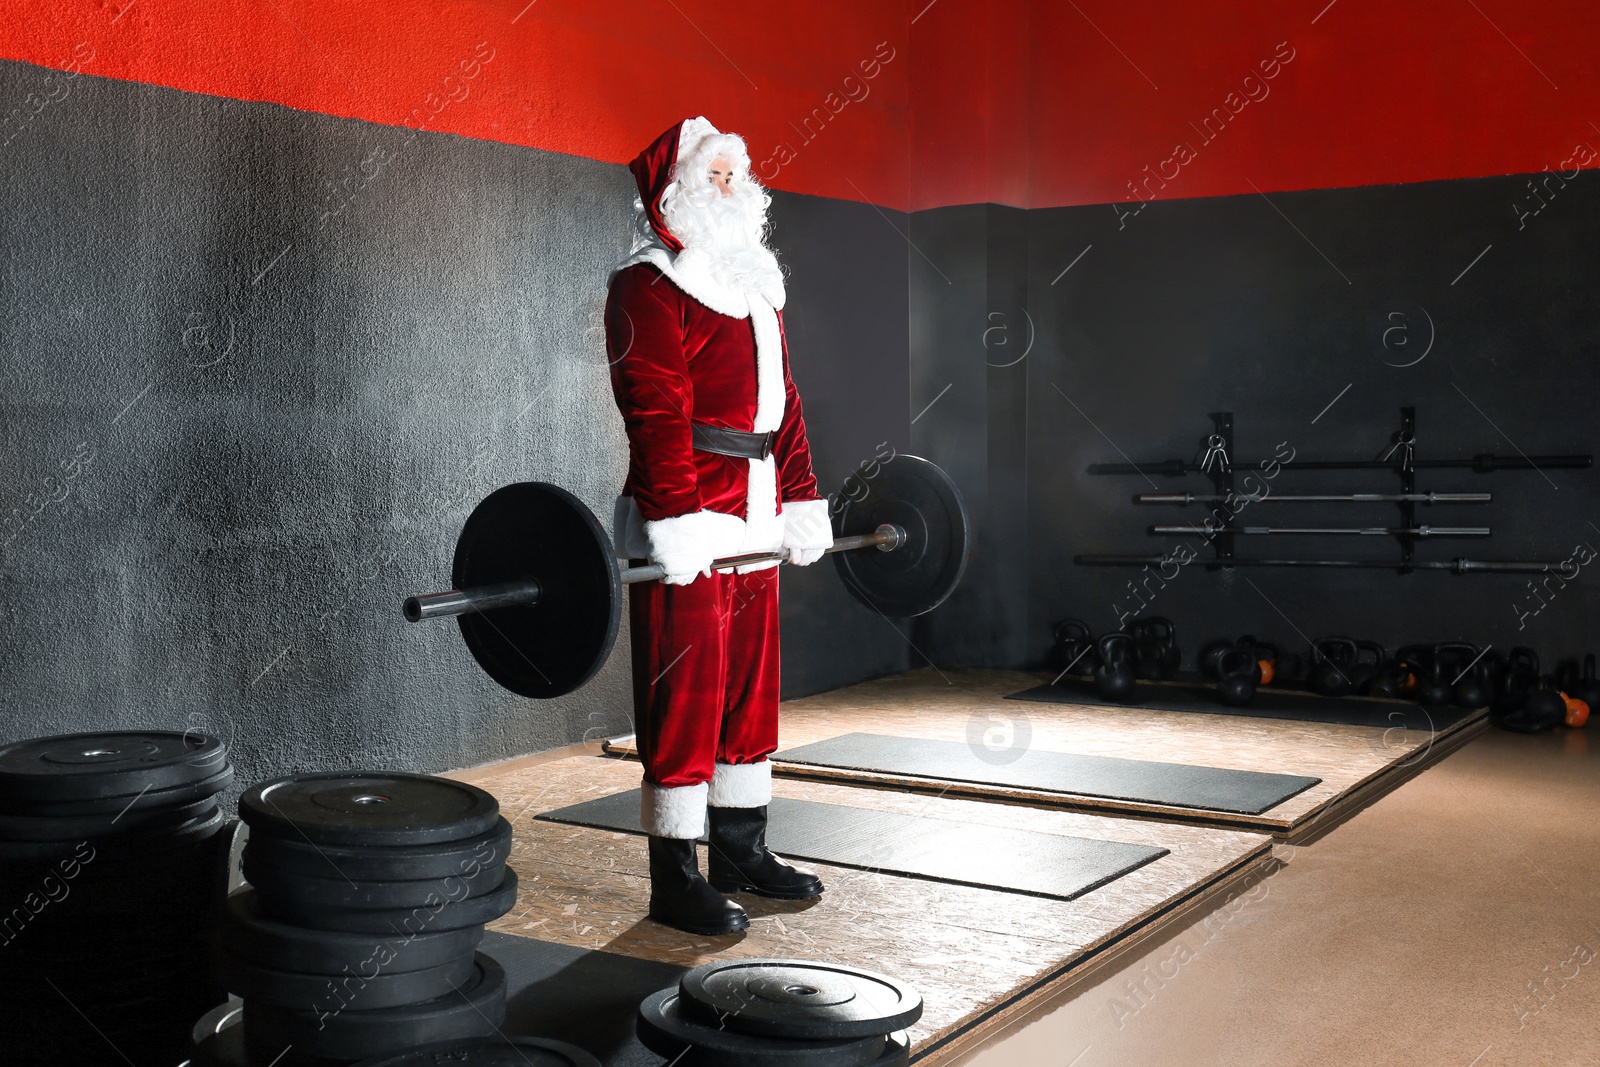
724 233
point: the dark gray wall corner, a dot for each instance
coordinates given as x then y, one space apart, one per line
258 365
972 340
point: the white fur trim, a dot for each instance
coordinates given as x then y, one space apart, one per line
694 278
763 529
769 366
678 811
741 785
692 132
807 524
686 544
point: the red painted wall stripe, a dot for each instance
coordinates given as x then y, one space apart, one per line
1014 101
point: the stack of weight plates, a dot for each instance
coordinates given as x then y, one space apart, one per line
781 1013
369 894
112 868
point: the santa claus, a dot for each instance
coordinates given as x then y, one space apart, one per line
718 466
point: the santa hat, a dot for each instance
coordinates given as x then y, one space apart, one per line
653 170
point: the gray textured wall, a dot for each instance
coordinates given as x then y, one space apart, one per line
256 367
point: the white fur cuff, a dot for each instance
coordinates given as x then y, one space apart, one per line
741 785
686 544
673 811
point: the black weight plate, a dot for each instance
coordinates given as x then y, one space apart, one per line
445 915
916 577
540 531
139 800
360 990
95 765
249 933
348 893
80 827
135 847
476 1009
664 1030
492 1052
403 863
371 809
797 998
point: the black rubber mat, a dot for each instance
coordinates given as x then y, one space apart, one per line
1176 785
991 857
1291 704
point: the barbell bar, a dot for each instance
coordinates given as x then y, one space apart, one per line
1346 498
1483 463
1362 531
886 538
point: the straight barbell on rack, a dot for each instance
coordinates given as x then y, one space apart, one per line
1365 531
1483 463
1455 566
538 587
1303 498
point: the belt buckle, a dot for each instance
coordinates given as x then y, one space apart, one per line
767 442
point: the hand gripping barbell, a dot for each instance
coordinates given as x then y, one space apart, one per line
538 587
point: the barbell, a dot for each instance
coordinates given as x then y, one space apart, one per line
538 586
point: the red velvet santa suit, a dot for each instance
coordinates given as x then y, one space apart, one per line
685 348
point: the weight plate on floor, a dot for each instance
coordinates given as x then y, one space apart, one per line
95 765
403 863
666 1031
492 1052
375 810
120 850
798 998
138 800
917 496
358 990
79 827
476 1009
443 915
250 934
540 531
308 892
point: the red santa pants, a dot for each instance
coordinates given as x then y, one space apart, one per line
705 674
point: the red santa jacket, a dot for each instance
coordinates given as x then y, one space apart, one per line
685 349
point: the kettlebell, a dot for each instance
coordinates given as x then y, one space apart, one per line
1471 688
1240 673
1362 673
1335 658
1417 657
1113 675
1585 686
1266 654
1386 682
1543 710
1520 677
1156 652
1435 690
1211 652
1074 648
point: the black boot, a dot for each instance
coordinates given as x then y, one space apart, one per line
740 862
681 898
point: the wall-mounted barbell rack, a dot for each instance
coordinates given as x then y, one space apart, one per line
1218 464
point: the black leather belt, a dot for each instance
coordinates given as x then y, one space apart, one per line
739 443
